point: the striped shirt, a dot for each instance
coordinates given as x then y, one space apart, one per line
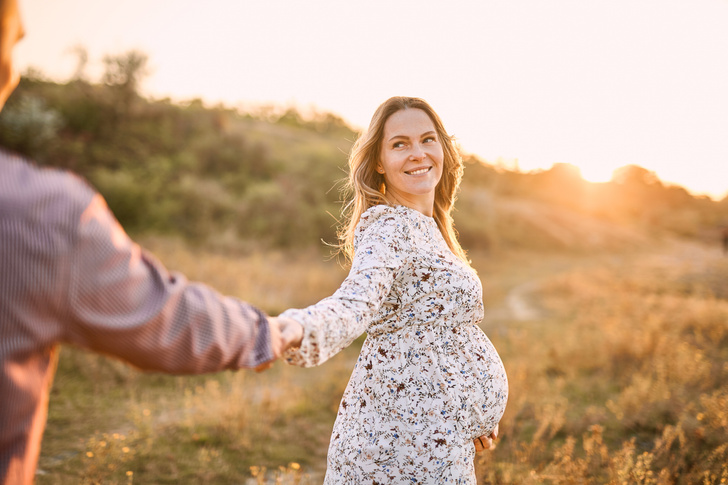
70 274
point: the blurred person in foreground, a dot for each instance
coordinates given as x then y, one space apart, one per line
70 274
429 388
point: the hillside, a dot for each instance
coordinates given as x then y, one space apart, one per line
225 178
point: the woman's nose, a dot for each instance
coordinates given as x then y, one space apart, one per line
418 153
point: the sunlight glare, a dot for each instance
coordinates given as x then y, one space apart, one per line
596 172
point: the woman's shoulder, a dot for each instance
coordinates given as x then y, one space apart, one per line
383 221
383 216
375 213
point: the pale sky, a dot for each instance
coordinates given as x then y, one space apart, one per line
599 84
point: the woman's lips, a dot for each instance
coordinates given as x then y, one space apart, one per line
418 171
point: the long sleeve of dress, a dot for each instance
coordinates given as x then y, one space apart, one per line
330 325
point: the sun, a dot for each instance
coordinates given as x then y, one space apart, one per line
596 172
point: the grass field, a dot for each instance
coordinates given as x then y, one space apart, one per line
617 363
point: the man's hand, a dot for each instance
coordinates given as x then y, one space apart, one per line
486 442
285 334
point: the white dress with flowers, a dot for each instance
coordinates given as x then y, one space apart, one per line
428 381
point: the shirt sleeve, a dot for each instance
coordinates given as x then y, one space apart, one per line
124 303
335 322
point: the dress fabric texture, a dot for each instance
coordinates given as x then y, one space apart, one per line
70 274
428 380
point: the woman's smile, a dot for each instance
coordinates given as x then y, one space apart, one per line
411 160
418 171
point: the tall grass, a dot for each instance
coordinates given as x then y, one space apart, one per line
625 381
622 378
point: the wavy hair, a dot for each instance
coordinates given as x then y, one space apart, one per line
368 187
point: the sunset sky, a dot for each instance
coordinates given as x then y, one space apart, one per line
599 84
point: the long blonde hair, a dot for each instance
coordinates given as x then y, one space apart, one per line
365 182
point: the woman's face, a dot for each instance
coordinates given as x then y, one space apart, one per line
411 159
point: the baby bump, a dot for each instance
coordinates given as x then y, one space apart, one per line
481 392
454 378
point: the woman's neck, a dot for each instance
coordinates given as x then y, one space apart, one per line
420 204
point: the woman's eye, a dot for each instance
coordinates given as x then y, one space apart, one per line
398 144
429 139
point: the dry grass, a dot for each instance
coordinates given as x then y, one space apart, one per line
626 381
621 379
274 280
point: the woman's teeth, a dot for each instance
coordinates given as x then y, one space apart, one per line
419 171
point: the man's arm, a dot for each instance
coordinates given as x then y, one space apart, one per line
123 302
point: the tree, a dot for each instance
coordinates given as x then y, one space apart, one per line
125 70
82 55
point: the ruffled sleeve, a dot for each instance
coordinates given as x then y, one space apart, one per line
381 244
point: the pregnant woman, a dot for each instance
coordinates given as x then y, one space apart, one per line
428 384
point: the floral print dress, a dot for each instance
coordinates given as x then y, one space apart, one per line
427 381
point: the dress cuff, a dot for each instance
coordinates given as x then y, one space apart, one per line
307 354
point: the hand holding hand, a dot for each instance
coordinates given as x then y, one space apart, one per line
486 442
291 333
285 334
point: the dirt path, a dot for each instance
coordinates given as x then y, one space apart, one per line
520 304
705 264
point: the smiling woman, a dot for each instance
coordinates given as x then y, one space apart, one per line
429 388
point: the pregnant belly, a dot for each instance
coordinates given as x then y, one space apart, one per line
482 389
423 377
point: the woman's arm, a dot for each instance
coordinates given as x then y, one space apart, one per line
332 324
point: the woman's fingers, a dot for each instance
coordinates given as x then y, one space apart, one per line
483 443
291 333
486 442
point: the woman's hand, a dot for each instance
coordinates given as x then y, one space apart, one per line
291 333
285 334
486 442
